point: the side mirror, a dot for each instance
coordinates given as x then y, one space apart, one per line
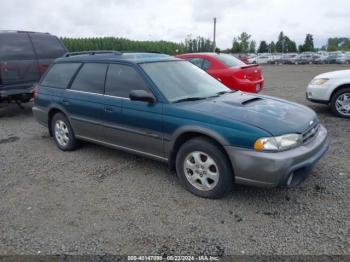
142 95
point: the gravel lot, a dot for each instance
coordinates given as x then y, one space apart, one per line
96 200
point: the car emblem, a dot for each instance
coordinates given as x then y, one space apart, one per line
311 122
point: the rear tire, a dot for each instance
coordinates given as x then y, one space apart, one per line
63 133
336 103
203 168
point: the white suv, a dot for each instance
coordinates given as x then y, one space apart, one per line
332 88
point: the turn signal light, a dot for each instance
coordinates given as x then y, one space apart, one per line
259 144
35 90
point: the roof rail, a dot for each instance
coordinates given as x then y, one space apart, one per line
21 31
92 53
141 51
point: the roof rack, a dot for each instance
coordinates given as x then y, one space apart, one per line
92 53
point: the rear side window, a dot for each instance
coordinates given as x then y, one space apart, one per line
122 79
47 46
91 78
196 61
60 75
16 46
230 60
206 64
201 63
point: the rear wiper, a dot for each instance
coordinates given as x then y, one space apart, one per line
189 99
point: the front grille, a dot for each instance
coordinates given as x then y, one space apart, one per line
310 133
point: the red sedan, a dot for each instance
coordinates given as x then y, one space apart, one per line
231 71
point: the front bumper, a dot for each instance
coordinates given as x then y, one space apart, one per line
319 92
270 169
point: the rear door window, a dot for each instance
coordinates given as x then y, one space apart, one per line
16 46
91 78
122 79
60 75
47 46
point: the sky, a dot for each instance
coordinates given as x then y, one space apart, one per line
173 20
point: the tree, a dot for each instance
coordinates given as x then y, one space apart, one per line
280 43
252 47
290 46
272 47
198 44
241 44
123 44
236 46
263 47
285 45
338 43
244 42
308 44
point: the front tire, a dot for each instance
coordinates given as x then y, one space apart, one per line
63 133
340 103
203 168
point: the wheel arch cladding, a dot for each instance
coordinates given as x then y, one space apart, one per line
188 135
53 111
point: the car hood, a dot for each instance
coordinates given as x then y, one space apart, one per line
335 74
273 115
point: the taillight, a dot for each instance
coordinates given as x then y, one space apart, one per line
35 90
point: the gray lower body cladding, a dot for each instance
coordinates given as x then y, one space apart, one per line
267 169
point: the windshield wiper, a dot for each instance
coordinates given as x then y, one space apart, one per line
189 99
226 92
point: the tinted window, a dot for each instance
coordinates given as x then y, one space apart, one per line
90 78
47 46
197 62
122 79
60 75
16 46
206 64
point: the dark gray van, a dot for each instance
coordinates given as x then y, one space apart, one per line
24 57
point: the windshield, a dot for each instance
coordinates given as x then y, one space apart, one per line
229 60
179 80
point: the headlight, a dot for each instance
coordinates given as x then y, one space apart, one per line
319 81
278 143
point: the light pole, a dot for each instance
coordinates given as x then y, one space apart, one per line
214 42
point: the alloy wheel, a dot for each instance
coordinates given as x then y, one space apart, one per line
201 171
342 104
61 133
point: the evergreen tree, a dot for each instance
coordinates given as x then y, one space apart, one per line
280 43
308 44
252 47
285 45
263 47
272 47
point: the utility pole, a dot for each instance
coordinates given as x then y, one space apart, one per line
214 42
